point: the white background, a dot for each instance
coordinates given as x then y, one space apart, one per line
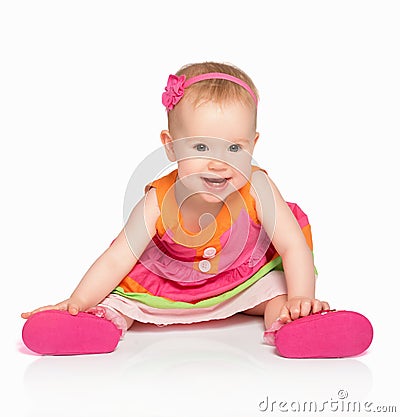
80 89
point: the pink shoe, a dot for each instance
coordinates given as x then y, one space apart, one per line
328 334
55 332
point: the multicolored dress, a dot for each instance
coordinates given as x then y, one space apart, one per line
184 277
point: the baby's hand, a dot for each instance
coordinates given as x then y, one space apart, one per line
301 306
67 305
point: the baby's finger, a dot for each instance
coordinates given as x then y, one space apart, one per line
45 308
305 308
73 309
325 305
294 312
285 315
317 306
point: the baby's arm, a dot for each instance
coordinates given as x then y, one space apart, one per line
289 241
116 262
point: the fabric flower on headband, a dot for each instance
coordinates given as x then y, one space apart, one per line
173 91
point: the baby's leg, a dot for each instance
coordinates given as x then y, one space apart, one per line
269 309
121 321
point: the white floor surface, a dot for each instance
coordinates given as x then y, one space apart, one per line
219 368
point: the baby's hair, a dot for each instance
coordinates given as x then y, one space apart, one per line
217 90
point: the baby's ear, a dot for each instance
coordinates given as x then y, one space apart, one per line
167 140
256 138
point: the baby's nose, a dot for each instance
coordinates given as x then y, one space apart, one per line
217 164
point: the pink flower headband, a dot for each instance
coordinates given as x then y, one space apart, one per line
177 84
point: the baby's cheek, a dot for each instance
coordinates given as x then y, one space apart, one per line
241 164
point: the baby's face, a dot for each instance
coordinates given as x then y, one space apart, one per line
213 146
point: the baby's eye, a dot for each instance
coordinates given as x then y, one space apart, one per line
234 148
201 147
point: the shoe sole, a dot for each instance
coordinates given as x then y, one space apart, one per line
333 334
55 332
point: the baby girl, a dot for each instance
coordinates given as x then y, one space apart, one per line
212 238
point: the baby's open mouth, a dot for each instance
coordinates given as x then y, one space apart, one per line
216 182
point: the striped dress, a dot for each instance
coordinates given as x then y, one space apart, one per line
184 277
